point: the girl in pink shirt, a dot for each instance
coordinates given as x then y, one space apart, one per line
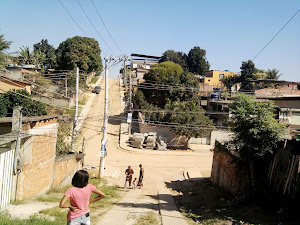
79 196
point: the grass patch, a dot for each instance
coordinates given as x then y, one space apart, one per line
6 219
48 198
18 202
147 219
97 208
71 111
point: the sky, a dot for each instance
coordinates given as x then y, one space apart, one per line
231 31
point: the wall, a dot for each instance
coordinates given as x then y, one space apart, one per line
36 175
227 175
65 167
219 135
7 84
213 77
65 102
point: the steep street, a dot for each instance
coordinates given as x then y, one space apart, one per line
159 167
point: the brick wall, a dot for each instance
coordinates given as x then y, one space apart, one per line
40 168
36 177
226 174
65 168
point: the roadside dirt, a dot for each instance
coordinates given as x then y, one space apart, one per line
201 201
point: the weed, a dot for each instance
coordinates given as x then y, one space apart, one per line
147 219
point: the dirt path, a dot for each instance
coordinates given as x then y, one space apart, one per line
159 168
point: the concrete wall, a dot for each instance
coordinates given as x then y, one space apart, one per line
65 102
220 135
227 175
7 84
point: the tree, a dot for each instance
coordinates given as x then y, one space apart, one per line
167 81
273 74
26 56
229 81
248 71
3 46
179 58
190 119
78 51
257 132
197 62
17 98
46 53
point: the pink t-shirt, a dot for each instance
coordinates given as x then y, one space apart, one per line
79 197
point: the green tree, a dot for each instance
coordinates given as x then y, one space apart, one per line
273 74
190 118
78 51
248 72
229 81
179 58
16 98
168 81
4 45
25 55
46 53
197 62
257 132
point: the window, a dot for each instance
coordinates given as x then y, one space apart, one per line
221 75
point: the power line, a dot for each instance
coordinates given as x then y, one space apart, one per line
73 18
276 34
106 27
95 27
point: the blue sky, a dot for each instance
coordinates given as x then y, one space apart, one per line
231 31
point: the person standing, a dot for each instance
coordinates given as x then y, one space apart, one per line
79 196
129 172
140 183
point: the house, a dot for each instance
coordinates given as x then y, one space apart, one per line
28 162
213 77
7 84
278 88
141 64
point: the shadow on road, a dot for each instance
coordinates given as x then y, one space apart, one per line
200 200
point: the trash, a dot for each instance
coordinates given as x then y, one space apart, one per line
190 210
196 220
222 199
219 210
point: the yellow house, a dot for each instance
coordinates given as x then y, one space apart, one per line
7 84
213 77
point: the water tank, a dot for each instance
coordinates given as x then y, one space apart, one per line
217 89
214 96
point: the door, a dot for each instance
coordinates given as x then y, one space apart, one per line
6 172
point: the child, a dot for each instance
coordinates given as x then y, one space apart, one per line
79 196
134 183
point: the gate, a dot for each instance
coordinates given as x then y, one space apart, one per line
6 170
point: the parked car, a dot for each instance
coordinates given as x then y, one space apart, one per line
96 90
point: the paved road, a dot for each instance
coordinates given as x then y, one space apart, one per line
159 167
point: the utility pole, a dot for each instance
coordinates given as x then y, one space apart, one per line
66 86
17 115
129 91
76 110
102 153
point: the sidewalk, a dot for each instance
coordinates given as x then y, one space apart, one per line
86 108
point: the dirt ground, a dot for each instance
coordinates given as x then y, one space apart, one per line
201 201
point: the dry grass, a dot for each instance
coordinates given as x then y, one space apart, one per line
147 219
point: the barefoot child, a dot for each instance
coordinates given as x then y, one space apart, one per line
79 196
134 184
